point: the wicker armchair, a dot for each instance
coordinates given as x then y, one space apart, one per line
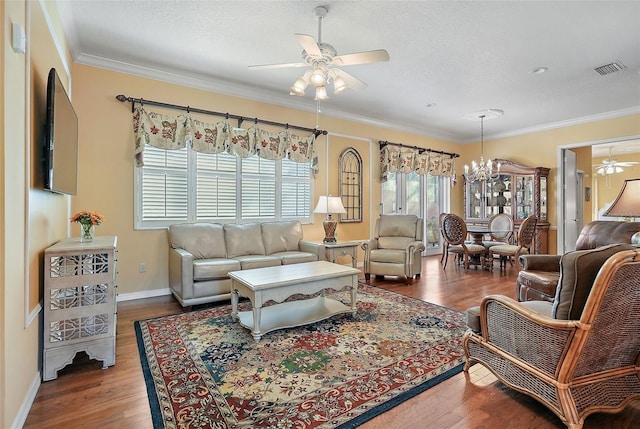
577 356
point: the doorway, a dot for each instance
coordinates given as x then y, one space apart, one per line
568 195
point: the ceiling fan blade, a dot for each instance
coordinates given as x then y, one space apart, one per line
276 66
376 56
309 44
352 82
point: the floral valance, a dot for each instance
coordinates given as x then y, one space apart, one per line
176 132
394 158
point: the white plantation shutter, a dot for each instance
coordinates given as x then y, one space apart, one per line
216 187
185 186
296 190
164 185
258 188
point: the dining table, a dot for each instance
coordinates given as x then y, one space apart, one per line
477 233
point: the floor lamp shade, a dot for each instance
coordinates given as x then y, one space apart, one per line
627 204
329 205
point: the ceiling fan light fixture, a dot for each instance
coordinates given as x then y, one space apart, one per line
339 85
298 87
318 77
321 93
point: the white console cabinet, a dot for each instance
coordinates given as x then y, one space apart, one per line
79 303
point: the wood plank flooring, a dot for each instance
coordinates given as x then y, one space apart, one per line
86 396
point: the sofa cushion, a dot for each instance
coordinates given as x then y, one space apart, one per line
202 240
294 257
281 236
392 256
207 269
578 271
473 313
243 239
248 262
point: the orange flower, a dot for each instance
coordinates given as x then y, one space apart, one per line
87 218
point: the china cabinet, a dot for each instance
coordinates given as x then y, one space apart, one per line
79 303
518 191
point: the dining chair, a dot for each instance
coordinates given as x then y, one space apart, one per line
454 232
526 232
500 228
445 244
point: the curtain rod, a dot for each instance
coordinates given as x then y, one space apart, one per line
188 109
419 149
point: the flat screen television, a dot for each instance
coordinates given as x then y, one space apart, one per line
60 140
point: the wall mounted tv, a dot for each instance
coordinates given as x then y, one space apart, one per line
60 140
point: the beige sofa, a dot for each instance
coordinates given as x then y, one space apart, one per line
202 254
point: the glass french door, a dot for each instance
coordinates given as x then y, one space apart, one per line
425 196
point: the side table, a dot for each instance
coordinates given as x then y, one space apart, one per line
345 248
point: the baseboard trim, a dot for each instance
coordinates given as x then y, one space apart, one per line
26 405
143 294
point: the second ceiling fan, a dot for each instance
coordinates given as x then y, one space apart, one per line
321 58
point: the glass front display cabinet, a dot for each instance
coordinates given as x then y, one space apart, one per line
516 190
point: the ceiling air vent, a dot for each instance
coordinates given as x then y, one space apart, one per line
610 68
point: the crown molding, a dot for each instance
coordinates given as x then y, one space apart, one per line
568 123
249 92
255 93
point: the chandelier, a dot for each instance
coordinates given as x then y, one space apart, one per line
482 171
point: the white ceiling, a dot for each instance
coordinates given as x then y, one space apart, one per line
457 56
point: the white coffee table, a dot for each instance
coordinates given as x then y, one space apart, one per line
279 283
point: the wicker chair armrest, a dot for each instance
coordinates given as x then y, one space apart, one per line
540 262
528 336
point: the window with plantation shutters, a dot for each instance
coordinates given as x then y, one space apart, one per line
182 185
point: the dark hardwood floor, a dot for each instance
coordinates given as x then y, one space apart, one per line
86 396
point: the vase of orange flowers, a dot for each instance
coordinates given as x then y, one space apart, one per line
87 220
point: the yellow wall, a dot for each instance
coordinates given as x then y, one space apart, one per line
19 344
106 147
583 163
541 149
32 219
106 171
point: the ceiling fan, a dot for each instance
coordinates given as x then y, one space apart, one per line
610 166
321 58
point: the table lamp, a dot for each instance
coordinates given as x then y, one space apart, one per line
627 204
329 205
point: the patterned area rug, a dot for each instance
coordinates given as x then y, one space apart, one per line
204 370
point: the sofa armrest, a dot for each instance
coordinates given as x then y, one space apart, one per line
181 272
549 263
311 247
369 245
415 246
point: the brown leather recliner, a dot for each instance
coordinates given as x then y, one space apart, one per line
538 279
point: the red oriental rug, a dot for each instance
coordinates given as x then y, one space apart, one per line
204 370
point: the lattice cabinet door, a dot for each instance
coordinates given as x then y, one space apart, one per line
79 303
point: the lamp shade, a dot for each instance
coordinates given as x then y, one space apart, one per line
329 205
627 204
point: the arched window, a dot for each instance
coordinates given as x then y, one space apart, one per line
351 185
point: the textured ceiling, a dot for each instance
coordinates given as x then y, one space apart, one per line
447 58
